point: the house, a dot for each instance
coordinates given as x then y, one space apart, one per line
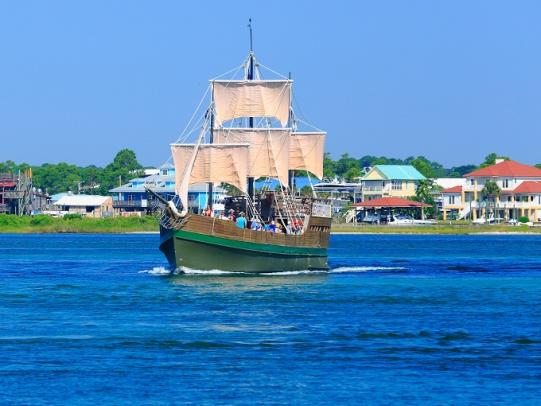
86 205
18 196
519 195
132 197
390 180
445 184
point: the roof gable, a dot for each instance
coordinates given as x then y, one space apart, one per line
529 186
374 174
82 200
400 172
454 189
507 168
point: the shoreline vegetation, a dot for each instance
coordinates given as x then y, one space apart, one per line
11 224
75 224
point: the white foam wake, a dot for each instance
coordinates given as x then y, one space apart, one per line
345 269
157 270
160 270
286 273
189 271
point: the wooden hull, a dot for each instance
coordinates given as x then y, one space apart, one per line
206 243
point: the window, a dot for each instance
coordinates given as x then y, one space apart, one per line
396 184
451 199
506 183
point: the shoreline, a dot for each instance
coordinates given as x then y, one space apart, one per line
383 231
437 233
10 224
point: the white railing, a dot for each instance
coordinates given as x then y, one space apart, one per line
372 188
516 205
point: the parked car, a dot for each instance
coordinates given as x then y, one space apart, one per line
401 219
371 218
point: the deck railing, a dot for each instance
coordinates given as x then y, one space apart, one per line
130 203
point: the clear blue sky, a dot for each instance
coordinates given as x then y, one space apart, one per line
453 81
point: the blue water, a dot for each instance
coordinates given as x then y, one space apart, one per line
95 319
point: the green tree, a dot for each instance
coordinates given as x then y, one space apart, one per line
11 167
489 192
329 166
424 166
90 177
352 174
490 159
56 178
345 163
538 166
424 193
306 191
123 168
459 171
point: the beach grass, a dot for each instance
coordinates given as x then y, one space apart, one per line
76 224
441 228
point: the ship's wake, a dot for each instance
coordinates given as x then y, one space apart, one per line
360 269
162 271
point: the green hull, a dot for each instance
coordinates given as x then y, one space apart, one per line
206 252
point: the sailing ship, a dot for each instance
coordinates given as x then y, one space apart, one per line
249 131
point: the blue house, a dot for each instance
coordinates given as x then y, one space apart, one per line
133 198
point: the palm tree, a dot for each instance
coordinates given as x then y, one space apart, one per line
424 193
490 191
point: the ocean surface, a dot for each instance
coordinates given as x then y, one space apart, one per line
98 319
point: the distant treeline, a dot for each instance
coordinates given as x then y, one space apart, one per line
62 177
350 168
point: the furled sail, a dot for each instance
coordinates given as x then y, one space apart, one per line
268 152
212 163
251 98
306 152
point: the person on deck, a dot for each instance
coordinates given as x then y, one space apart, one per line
255 224
223 216
232 215
272 227
241 221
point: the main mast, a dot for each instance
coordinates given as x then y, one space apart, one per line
250 76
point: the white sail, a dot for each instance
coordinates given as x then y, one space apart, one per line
251 98
226 163
306 151
268 152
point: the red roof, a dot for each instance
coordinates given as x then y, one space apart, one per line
529 186
454 189
390 202
507 168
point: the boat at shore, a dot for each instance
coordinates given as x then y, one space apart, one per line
248 132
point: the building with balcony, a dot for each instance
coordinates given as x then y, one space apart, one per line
390 181
132 198
519 193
